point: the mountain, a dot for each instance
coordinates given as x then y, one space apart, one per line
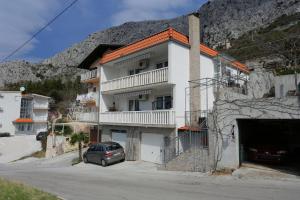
221 21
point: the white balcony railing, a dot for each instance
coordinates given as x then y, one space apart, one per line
155 117
86 117
145 78
88 97
90 75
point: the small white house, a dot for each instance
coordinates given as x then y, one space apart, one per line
23 113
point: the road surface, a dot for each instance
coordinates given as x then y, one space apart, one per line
139 181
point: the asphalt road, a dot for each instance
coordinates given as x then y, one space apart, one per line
138 180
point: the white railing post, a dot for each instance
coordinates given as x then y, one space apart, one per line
144 78
156 117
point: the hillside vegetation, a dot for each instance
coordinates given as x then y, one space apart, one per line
61 92
280 40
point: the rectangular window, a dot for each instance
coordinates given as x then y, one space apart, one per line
163 102
160 103
133 105
162 65
168 102
26 108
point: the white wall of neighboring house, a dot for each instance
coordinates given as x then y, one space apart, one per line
10 103
285 83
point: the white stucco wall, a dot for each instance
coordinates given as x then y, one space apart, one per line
10 104
179 75
207 70
285 83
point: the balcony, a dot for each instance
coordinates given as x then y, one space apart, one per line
89 98
161 118
138 80
86 117
90 76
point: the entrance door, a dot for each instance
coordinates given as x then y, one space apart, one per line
151 146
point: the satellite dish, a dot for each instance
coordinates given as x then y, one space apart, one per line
22 89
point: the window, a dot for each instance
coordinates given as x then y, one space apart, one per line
163 102
113 147
92 148
24 127
99 148
134 105
134 71
26 108
162 65
159 103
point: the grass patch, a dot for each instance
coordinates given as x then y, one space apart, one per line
17 191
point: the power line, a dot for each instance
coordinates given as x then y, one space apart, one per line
39 31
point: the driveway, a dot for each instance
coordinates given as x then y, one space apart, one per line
141 180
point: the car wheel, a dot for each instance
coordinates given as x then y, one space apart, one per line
122 160
85 160
103 163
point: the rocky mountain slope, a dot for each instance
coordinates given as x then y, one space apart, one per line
221 20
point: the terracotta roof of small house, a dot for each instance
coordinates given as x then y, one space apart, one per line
23 120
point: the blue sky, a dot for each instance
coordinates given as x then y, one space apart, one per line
20 19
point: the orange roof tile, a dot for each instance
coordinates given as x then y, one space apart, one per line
23 120
208 51
169 34
240 66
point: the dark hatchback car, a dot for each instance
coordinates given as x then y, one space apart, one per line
41 135
104 153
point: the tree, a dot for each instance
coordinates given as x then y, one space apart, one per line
79 138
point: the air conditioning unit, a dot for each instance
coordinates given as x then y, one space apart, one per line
144 63
143 97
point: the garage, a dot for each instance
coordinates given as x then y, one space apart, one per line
270 142
119 137
151 146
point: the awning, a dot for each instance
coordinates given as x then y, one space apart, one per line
133 94
23 120
188 128
133 60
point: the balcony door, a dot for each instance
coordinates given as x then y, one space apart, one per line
162 103
134 105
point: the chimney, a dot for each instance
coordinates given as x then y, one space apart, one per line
194 68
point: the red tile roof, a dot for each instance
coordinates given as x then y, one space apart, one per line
23 120
169 34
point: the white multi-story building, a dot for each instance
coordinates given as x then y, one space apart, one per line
23 113
145 89
148 89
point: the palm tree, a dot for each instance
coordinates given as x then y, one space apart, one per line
79 138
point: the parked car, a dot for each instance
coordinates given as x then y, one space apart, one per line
267 154
5 134
104 153
41 135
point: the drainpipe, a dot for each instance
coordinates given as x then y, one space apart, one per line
194 67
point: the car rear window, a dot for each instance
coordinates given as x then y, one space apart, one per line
113 147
